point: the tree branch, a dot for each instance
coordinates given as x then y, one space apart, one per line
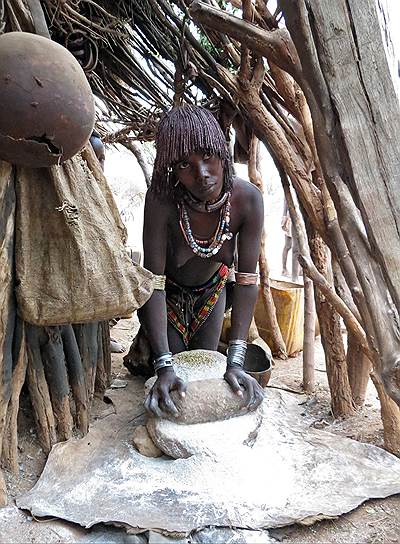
312 272
276 45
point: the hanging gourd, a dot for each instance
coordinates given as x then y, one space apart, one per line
47 107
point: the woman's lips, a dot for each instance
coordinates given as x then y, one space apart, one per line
206 189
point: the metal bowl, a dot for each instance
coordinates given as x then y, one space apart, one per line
258 363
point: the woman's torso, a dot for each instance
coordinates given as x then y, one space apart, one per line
182 265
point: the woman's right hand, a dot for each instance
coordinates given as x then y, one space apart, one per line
158 401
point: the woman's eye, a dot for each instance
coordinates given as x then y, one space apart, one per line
207 156
182 165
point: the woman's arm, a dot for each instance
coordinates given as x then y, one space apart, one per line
249 240
153 315
245 296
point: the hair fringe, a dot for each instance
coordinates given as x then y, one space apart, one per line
182 131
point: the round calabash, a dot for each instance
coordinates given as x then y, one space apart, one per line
47 108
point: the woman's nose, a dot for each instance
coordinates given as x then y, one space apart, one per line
202 170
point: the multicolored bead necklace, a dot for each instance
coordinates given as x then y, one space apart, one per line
210 247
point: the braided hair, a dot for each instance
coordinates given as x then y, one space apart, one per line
182 131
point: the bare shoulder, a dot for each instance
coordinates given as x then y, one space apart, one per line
158 207
248 195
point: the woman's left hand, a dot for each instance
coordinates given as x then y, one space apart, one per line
239 380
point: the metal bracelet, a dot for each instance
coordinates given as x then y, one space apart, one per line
236 353
162 361
246 278
159 282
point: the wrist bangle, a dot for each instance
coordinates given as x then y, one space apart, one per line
236 353
159 282
162 361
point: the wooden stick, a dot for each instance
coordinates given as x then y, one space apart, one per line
107 350
136 149
276 45
102 377
77 378
278 346
39 391
56 374
326 289
342 404
3 490
39 21
309 336
7 304
390 413
10 441
358 368
86 337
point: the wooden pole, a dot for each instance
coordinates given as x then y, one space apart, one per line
10 441
86 337
390 413
341 399
359 367
309 336
77 378
39 391
102 378
137 150
278 346
7 304
342 95
56 375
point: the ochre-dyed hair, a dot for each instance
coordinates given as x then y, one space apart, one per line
182 131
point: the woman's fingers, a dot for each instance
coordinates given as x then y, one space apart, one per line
180 387
151 403
257 396
232 380
239 380
159 400
248 386
167 402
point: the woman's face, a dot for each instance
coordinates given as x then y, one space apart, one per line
202 174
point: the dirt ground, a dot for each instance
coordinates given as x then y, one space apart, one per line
377 521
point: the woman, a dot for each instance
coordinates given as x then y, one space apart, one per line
196 214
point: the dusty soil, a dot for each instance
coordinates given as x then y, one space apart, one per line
376 521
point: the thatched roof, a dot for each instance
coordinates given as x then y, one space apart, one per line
141 56
135 47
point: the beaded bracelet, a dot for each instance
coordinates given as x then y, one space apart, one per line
162 361
236 353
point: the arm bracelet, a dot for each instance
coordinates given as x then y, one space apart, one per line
246 278
162 361
236 353
159 282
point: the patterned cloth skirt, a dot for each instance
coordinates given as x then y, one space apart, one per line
187 310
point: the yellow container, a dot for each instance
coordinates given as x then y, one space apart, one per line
289 303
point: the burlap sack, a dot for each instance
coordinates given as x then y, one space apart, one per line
71 264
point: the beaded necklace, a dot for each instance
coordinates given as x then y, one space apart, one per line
210 247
